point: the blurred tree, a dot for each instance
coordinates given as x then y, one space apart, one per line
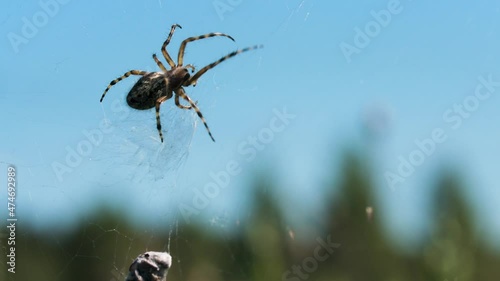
266 232
352 221
454 251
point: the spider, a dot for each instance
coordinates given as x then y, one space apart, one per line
154 88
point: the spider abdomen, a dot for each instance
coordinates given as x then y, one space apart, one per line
147 90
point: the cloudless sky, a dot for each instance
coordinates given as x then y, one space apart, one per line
414 67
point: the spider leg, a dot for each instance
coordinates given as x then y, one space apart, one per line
159 101
180 92
164 46
194 78
179 105
159 63
127 74
180 57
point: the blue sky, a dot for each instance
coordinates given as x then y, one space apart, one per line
419 60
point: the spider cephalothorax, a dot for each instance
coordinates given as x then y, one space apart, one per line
153 88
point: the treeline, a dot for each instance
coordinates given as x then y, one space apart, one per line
346 243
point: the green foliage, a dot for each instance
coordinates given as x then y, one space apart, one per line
347 243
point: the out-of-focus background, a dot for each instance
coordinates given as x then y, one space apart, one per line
361 143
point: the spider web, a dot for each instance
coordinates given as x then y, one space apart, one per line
110 248
158 162
132 155
133 148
